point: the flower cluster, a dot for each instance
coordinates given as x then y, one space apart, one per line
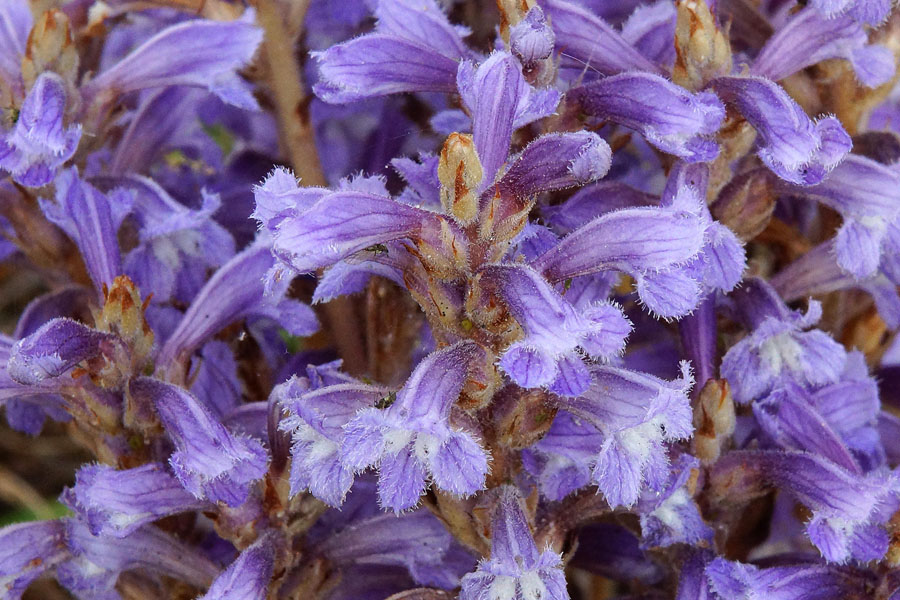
426 299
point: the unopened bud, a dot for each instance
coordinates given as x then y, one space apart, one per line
713 420
746 204
702 50
460 172
123 315
522 417
50 48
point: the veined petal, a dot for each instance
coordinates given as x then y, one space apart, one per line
210 462
54 349
809 38
593 42
117 503
92 220
27 550
198 53
343 223
557 161
39 143
380 64
671 118
15 24
793 146
630 240
247 578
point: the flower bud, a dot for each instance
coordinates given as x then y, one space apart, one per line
123 315
703 51
713 420
460 173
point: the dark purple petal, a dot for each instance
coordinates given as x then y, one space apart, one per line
557 161
54 349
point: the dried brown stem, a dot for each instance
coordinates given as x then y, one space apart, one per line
16 490
297 136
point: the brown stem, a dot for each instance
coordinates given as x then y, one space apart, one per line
16 490
286 81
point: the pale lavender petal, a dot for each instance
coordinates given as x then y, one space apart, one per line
197 53
116 503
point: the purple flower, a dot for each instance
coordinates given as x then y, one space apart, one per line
316 416
414 437
27 551
671 118
97 561
867 195
54 349
817 272
793 146
210 462
314 228
414 48
561 460
247 578
39 142
670 516
415 541
636 414
516 568
531 39
118 502
234 292
740 581
92 220
177 244
16 22
871 12
808 38
593 43
500 101
849 509
650 244
197 53
547 356
777 348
